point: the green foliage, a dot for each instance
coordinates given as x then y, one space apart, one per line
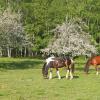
41 16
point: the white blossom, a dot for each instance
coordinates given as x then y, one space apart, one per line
71 38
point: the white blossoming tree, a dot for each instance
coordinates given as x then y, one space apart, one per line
70 37
12 33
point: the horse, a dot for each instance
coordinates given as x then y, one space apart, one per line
57 63
95 61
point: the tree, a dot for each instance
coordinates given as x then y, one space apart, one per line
12 33
41 16
70 37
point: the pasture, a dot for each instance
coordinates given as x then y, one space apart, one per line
21 79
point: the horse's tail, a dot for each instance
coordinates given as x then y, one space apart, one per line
86 67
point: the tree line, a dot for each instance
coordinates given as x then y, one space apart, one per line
35 20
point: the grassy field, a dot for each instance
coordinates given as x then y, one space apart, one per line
21 79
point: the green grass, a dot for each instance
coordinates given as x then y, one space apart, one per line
21 79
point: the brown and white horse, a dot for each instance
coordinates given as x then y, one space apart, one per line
95 61
59 63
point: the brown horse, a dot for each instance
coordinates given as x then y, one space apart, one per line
59 63
95 61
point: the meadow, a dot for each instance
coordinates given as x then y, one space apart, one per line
21 79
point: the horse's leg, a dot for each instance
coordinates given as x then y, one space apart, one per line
71 75
59 77
97 69
50 76
67 73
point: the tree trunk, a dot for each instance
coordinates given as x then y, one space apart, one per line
21 52
1 53
16 53
29 52
25 52
9 51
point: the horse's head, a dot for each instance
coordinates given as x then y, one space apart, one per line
45 71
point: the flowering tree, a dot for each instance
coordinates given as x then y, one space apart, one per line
70 37
12 33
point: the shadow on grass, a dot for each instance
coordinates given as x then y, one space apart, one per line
75 77
69 77
21 65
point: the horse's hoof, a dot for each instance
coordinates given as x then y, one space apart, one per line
59 78
66 77
97 73
71 78
50 78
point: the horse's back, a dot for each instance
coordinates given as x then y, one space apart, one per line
57 63
96 60
58 59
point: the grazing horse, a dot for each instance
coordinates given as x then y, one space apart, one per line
95 61
58 63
